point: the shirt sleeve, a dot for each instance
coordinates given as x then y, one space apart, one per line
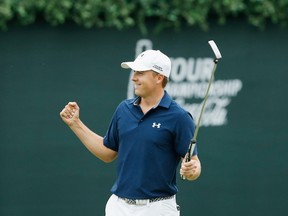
111 138
184 131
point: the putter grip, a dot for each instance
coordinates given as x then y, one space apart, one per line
190 149
189 153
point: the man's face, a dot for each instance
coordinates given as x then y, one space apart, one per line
145 82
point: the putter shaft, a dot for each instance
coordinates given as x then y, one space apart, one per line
194 139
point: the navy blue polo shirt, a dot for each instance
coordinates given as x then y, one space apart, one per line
149 147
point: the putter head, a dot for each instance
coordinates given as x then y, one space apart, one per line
215 50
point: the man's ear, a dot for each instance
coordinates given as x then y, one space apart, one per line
160 78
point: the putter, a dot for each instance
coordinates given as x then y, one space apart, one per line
193 140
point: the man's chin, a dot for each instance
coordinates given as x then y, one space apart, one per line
137 93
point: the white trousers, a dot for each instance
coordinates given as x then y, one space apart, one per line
118 207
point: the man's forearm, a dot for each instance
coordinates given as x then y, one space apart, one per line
93 142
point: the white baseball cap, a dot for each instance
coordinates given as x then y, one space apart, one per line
150 60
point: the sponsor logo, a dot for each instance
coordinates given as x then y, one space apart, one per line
156 125
157 67
188 84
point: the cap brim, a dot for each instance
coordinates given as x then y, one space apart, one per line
134 66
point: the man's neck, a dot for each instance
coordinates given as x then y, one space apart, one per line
152 101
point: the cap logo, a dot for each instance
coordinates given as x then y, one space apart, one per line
157 67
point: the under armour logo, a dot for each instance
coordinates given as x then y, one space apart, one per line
156 125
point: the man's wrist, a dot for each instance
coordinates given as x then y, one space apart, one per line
75 123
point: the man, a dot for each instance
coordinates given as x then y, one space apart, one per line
149 135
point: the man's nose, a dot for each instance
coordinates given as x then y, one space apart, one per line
134 76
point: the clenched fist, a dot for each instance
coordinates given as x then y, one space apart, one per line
70 113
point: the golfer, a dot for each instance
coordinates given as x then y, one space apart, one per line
149 135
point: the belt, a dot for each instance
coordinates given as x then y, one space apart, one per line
144 201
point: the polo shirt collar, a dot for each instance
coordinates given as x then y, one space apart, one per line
164 102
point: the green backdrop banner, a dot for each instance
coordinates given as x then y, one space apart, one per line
45 170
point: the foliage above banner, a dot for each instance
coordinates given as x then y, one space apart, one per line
123 14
